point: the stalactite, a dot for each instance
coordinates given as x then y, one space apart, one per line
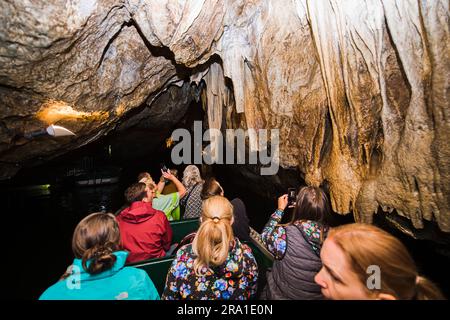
357 89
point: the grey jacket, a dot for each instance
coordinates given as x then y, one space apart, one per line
292 278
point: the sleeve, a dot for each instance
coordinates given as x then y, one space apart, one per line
167 234
274 236
171 288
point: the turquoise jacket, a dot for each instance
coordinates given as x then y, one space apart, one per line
117 283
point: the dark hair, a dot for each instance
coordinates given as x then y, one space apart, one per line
312 204
95 238
211 188
135 192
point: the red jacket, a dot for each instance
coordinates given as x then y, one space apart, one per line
145 231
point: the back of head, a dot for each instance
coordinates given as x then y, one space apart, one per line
312 204
366 245
95 239
136 192
211 188
148 182
191 176
212 241
143 175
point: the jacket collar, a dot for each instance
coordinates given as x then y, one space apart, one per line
138 212
77 267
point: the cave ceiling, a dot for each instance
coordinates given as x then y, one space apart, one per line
358 89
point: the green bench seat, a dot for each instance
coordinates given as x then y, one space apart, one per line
157 268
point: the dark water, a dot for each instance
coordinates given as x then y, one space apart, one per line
38 222
39 217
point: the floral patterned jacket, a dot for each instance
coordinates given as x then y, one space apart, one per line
274 235
235 279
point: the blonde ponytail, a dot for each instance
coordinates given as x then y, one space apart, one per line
212 242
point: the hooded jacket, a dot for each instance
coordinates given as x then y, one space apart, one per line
235 279
117 283
145 231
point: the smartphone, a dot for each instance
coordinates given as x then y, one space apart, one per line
164 168
292 196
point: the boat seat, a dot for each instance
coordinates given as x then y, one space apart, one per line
157 268
182 228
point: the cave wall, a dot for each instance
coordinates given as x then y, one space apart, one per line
358 89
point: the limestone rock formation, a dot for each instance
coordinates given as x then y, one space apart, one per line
358 89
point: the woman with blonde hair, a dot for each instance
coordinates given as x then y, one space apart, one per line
241 227
216 265
361 261
191 204
98 271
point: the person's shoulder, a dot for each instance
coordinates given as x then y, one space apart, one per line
55 291
139 283
158 217
311 227
281 229
159 199
237 201
121 213
247 253
185 251
199 185
195 189
163 196
159 214
134 277
174 195
187 248
133 272
239 245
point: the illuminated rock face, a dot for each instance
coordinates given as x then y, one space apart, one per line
358 89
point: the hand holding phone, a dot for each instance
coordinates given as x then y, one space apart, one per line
282 202
165 171
164 168
292 197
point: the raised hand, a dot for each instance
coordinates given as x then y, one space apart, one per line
282 202
167 175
